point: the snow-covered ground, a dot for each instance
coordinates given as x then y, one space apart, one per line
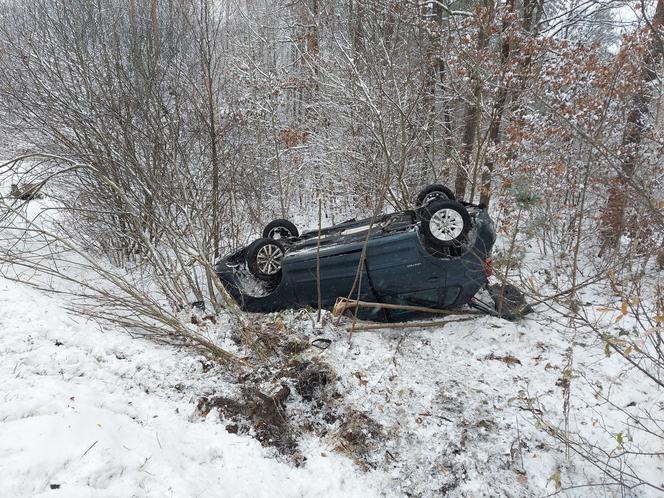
455 401
90 412
459 410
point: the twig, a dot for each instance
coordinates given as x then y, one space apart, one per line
91 446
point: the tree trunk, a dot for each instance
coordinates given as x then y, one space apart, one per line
472 115
154 25
207 49
613 222
438 80
498 108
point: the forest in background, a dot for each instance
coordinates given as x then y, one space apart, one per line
165 133
247 110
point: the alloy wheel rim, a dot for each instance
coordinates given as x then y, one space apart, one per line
446 224
269 259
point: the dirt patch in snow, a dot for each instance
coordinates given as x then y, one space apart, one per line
306 403
258 414
359 437
310 379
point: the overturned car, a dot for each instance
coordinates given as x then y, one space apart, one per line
436 255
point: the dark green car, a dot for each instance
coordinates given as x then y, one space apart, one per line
437 256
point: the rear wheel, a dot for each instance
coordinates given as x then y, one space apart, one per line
264 258
431 193
445 223
280 229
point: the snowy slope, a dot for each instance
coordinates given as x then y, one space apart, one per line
99 414
92 413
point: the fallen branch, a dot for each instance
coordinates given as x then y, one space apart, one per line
406 325
342 304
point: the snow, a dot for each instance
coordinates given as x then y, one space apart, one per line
90 411
456 405
102 415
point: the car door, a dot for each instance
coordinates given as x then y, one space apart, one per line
401 272
338 270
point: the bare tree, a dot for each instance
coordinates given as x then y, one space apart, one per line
635 126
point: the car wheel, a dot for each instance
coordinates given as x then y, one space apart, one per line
445 223
432 193
280 229
264 258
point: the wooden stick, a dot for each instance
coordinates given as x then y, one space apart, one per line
407 325
343 304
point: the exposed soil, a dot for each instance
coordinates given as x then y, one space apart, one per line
254 412
304 385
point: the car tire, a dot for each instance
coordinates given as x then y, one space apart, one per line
280 229
432 193
445 223
264 258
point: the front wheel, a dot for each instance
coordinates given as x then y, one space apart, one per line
445 223
280 229
264 258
